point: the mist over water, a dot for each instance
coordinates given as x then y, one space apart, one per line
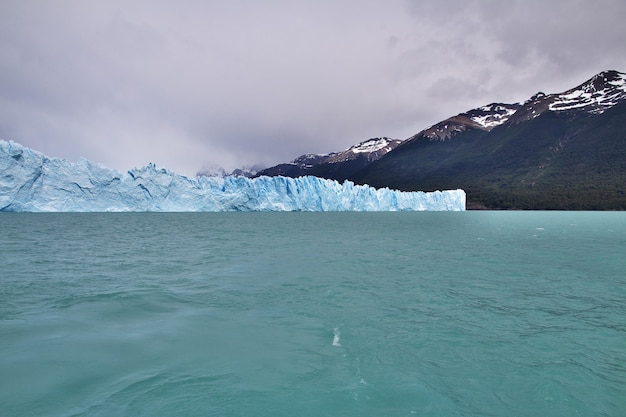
311 314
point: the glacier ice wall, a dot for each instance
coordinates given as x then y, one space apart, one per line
30 181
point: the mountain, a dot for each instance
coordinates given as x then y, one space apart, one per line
553 151
556 151
337 165
600 93
248 171
483 118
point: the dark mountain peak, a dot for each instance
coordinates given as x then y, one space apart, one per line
448 128
609 76
482 118
310 159
309 164
371 149
493 114
599 93
374 145
532 108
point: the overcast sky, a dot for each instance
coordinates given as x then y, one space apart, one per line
188 84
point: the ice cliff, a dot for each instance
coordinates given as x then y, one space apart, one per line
30 181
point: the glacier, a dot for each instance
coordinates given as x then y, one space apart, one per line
33 182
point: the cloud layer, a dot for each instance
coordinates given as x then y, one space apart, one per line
191 83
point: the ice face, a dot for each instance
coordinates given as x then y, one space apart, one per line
30 181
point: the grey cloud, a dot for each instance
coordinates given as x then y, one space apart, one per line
200 83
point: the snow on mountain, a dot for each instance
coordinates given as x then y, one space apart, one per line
309 160
375 145
371 149
601 92
493 114
596 95
483 118
30 181
532 108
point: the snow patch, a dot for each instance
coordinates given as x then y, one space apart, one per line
597 95
492 120
371 145
492 115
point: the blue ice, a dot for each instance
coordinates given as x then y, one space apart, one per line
33 182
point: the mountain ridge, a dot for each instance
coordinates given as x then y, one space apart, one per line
537 154
342 164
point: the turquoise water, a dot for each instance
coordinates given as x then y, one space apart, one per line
313 314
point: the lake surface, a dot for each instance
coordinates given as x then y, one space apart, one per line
313 314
